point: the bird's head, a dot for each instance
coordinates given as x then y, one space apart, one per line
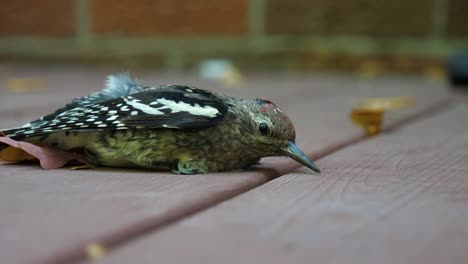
271 132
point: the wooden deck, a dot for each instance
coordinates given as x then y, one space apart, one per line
400 197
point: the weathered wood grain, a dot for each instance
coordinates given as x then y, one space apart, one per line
399 198
50 216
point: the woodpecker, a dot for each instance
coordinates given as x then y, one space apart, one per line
180 128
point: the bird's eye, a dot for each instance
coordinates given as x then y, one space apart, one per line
263 129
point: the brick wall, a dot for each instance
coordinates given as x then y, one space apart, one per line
180 29
363 17
37 18
458 19
169 17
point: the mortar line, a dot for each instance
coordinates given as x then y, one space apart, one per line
439 19
83 35
256 22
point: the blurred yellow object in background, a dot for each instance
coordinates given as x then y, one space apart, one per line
434 72
21 85
369 119
15 154
95 250
386 103
370 69
369 113
221 70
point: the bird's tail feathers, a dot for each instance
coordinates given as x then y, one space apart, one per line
13 133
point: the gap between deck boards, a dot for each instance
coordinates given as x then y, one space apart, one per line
151 225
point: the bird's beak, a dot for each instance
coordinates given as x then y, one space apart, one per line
292 151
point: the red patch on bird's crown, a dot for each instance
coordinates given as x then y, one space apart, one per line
275 108
269 102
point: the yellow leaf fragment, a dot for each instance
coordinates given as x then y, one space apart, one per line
15 154
369 119
21 85
386 103
49 158
369 113
95 250
232 77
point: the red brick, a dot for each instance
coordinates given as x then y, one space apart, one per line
293 16
39 18
170 17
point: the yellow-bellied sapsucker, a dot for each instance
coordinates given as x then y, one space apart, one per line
170 127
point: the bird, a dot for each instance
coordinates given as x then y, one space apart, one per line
177 128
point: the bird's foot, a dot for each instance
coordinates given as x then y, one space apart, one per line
188 168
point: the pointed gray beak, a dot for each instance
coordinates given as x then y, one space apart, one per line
292 151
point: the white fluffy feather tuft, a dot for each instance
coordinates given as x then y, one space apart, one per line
120 84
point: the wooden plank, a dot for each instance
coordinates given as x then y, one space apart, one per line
70 209
399 198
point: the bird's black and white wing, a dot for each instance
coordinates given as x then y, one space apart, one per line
117 85
170 106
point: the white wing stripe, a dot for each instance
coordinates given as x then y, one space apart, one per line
175 107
